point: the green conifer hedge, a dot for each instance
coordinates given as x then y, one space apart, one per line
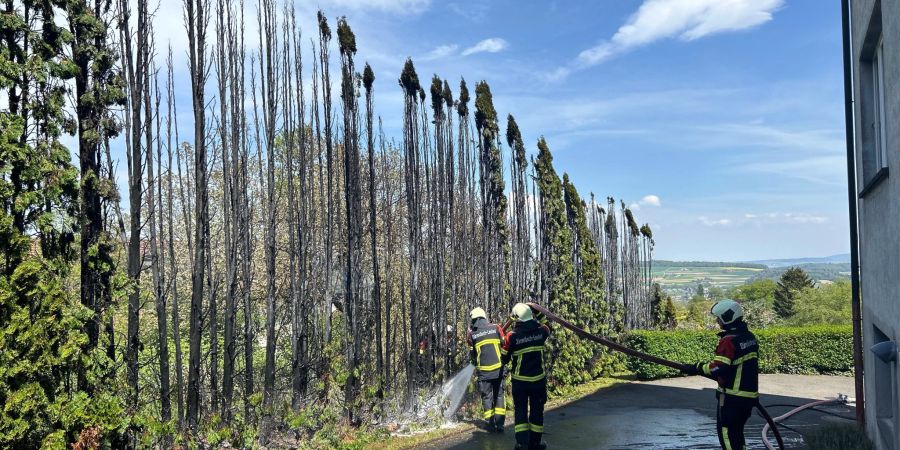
820 349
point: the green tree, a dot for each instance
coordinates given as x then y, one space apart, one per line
791 282
757 298
826 304
568 356
715 293
667 314
700 291
657 304
43 341
590 307
698 312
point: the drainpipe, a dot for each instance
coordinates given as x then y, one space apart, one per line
854 232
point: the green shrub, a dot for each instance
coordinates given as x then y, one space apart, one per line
822 349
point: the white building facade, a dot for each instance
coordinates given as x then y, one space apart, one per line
875 46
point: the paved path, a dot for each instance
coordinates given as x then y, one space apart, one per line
675 413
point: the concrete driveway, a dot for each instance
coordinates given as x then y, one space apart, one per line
675 413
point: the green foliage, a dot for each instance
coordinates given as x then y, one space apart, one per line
437 96
368 77
346 38
668 316
324 29
824 349
572 359
514 140
698 315
485 114
409 79
757 298
664 310
589 309
792 281
826 304
838 437
41 340
462 106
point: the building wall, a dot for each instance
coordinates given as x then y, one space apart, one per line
879 219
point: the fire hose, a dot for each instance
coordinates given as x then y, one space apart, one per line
646 357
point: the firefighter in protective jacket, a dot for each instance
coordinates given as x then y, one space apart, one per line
735 367
484 339
525 345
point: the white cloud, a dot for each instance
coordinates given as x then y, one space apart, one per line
392 6
682 19
714 222
650 200
647 200
790 217
441 51
491 45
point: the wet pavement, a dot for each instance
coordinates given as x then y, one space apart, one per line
676 413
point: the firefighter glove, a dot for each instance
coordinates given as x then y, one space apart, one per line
689 369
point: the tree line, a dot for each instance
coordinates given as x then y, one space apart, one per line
287 256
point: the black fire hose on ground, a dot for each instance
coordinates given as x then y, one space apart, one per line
641 355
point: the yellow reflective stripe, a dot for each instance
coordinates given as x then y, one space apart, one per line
518 377
737 378
487 341
746 394
500 411
521 427
745 358
490 367
725 438
722 359
535 348
496 343
706 369
537 428
488 414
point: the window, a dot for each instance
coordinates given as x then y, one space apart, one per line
872 126
879 131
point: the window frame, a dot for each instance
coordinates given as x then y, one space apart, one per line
879 123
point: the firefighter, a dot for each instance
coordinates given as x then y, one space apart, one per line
484 339
735 367
525 345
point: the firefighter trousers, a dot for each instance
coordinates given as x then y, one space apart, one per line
529 398
731 416
493 401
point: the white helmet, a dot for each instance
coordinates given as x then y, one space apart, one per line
522 312
727 311
478 313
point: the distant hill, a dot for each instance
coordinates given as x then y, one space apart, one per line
843 258
816 271
744 265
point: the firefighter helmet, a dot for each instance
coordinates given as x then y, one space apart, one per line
522 312
478 313
727 311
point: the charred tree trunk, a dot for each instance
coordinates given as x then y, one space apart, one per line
197 16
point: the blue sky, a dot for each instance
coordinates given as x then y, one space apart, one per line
720 121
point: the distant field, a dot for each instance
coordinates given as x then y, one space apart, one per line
680 278
675 279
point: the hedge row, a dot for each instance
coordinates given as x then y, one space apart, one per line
822 349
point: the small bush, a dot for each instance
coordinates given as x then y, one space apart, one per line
824 349
838 437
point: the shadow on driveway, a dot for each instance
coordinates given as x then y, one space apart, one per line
648 416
